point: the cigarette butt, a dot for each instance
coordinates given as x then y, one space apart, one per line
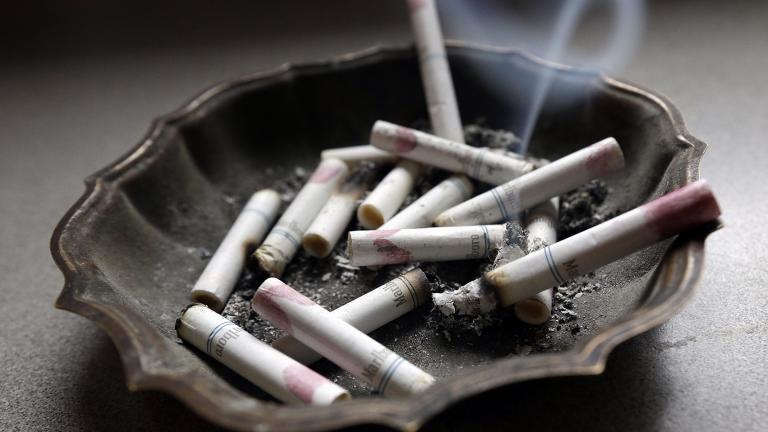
435 73
325 231
381 247
272 371
222 272
541 223
506 201
422 212
479 163
285 238
338 341
356 154
369 312
685 208
388 195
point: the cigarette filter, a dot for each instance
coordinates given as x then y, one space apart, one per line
369 312
324 232
422 212
388 195
380 247
356 154
285 238
506 201
541 222
479 163
223 270
685 208
338 341
274 372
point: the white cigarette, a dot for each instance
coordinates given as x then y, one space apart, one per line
422 212
285 238
356 154
581 253
479 163
339 342
541 222
325 231
381 247
506 201
387 197
272 371
369 312
435 72
222 272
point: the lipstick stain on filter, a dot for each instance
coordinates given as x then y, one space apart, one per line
302 381
377 234
392 253
264 302
605 157
405 140
685 208
324 173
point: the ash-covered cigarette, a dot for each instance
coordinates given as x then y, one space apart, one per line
422 212
506 201
269 369
479 163
220 276
388 373
384 247
369 311
685 208
285 238
387 197
325 231
354 155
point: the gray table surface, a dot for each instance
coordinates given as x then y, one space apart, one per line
80 83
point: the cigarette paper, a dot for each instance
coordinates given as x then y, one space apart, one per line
435 72
380 247
272 371
479 163
223 270
330 223
338 341
422 212
389 194
369 312
356 154
685 208
506 201
541 222
285 238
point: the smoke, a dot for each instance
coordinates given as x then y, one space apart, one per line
547 28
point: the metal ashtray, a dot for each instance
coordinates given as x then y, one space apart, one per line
129 247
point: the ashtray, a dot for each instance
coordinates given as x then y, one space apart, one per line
130 247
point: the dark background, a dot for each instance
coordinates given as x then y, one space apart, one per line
81 80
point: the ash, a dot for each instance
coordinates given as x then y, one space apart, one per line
438 343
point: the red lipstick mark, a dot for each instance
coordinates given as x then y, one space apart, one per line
302 381
376 234
405 140
325 173
264 303
685 208
392 253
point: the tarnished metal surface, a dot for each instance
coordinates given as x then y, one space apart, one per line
128 247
